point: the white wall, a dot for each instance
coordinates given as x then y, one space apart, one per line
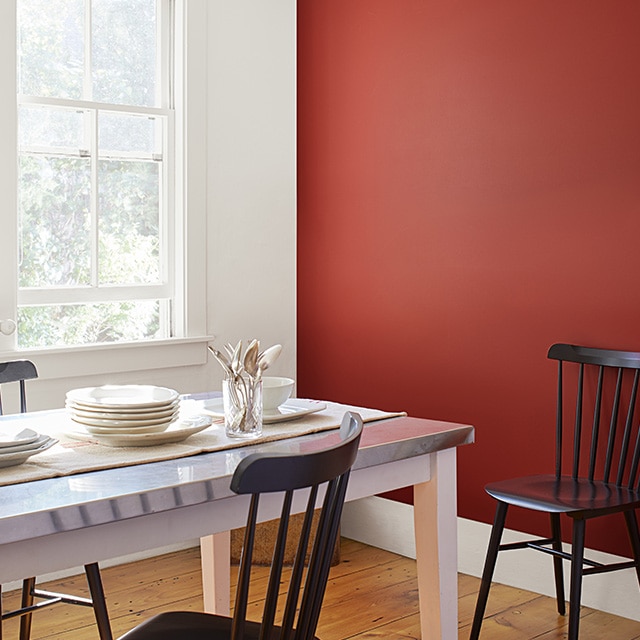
252 173
248 187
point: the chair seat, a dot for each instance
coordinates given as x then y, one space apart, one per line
565 495
193 625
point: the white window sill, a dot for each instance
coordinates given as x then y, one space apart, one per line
115 357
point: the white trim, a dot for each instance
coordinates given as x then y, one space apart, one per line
389 525
191 190
90 105
121 358
188 215
8 166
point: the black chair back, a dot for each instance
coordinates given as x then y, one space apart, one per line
17 371
597 418
326 470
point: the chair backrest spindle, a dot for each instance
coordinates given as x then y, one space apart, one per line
275 575
559 422
628 433
634 476
577 430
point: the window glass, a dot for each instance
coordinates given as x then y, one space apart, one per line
124 51
68 324
127 133
129 224
60 130
93 183
51 48
54 203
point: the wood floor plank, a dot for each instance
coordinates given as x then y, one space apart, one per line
371 595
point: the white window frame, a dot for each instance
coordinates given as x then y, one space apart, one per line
190 199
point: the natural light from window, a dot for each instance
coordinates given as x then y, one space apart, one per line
95 181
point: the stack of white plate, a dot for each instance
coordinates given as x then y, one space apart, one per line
17 445
127 409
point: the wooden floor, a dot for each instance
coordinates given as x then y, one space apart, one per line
372 594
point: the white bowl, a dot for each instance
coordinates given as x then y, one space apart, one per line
275 391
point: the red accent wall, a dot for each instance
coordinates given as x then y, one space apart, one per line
469 193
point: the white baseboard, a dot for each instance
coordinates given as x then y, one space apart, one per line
389 525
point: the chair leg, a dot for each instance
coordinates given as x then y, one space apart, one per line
634 538
575 590
489 566
556 534
99 603
28 585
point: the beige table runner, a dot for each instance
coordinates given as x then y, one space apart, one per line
71 456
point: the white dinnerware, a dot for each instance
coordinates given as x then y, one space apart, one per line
123 410
275 391
124 424
18 457
292 409
131 396
13 437
153 428
123 414
28 446
177 432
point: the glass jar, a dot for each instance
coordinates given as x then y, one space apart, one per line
242 398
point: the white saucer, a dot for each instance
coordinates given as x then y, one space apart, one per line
292 409
177 432
14 459
15 437
129 396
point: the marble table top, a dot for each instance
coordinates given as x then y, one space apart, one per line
43 507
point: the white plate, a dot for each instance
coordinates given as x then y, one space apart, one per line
13 459
129 396
123 414
15 437
178 432
292 409
28 446
123 424
154 428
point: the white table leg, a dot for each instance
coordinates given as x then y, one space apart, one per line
215 552
435 522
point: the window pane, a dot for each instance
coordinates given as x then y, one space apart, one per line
51 48
91 192
124 51
129 222
60 129
129 134
57 325
54 205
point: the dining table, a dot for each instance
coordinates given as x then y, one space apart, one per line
135 499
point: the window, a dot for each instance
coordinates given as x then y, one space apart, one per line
96 254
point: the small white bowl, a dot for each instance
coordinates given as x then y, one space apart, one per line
275 391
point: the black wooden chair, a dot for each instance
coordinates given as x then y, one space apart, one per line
597 416
257 474
34 599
